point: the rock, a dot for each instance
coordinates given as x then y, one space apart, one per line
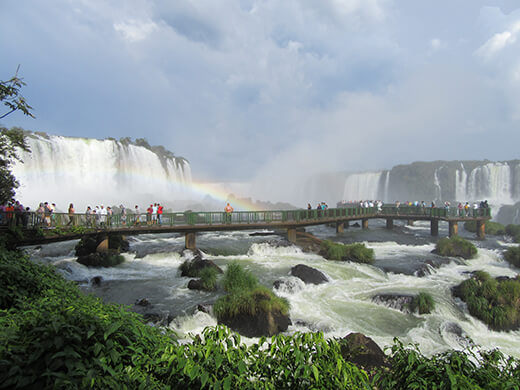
363 352
290 285
195 284
261 324
102 243
356 224
96 280
101 259
308 274
193 266
205 308
400 302
142 302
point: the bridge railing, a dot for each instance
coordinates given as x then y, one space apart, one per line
64 220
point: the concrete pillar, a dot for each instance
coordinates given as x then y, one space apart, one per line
410 222
340 227
190 240
291 235
389 223
454 228
434 227
364 223
481 229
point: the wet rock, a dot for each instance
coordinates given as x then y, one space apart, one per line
308 274
290 285
96 280
101 259
401 302
363 352
193 266
356 225
195 284
205 308
143 302
260 324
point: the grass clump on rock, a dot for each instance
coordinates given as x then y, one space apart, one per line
512 256
423 303
208 278
456 247
357 252
492 228
496 302
514 232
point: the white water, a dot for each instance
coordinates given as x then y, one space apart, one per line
362 186
341 306
85 172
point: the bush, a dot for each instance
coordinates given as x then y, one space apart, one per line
357 252
495 302
492 228
456 247
513 231
423 303
208 278
512 256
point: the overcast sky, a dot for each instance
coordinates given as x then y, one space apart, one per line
253 88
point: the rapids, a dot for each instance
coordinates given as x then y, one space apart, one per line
337 308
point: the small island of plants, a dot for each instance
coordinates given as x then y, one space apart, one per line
357 252
455 247
496 302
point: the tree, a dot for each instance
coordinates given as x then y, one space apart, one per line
11 141
11 97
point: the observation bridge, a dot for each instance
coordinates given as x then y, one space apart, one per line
40 229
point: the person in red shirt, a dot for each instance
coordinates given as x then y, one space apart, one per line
159 213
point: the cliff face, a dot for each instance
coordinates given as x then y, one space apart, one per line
89 171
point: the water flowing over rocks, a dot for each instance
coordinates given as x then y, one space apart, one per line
196 263
401 302
101 250
308 274
289 285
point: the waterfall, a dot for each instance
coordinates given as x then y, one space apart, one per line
461 178
85 172
492 181
437 183
387 186
362 186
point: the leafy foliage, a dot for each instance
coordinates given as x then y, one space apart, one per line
357 252
11 97
423 303
208 277
495 302
457 247
245 295
450 370
512 256
10 141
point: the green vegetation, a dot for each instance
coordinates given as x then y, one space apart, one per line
423 303
357 252
513 231
208 278
456 247
246 296
495 302
103 259
492 228
512 256
54 337
11 141
470 369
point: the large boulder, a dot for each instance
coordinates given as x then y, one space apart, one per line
101 243
308 274
401 302
260 324
192 266
363 352
101 259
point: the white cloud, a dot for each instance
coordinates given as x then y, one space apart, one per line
499 41
135 30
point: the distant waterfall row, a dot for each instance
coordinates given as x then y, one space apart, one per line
498 182
88 171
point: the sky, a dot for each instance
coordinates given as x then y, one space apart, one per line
267 90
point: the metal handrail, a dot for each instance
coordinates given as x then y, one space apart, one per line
192 218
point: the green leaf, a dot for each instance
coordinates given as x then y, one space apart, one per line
316 373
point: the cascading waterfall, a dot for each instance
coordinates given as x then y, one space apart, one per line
362 186
437 183
83 171
461 183
492 181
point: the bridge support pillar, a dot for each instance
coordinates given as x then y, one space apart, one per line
434 227
389 223
340 227
410 222
364 223
190 240
291 235
481 229
454 228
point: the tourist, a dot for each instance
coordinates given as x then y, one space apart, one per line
123 214
159 213
149 212
71 215
48 212
228 209
154 214
109 215
88 214
137 215
102 216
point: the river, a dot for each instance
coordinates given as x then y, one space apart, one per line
341 306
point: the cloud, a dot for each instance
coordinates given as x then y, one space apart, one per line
135 30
